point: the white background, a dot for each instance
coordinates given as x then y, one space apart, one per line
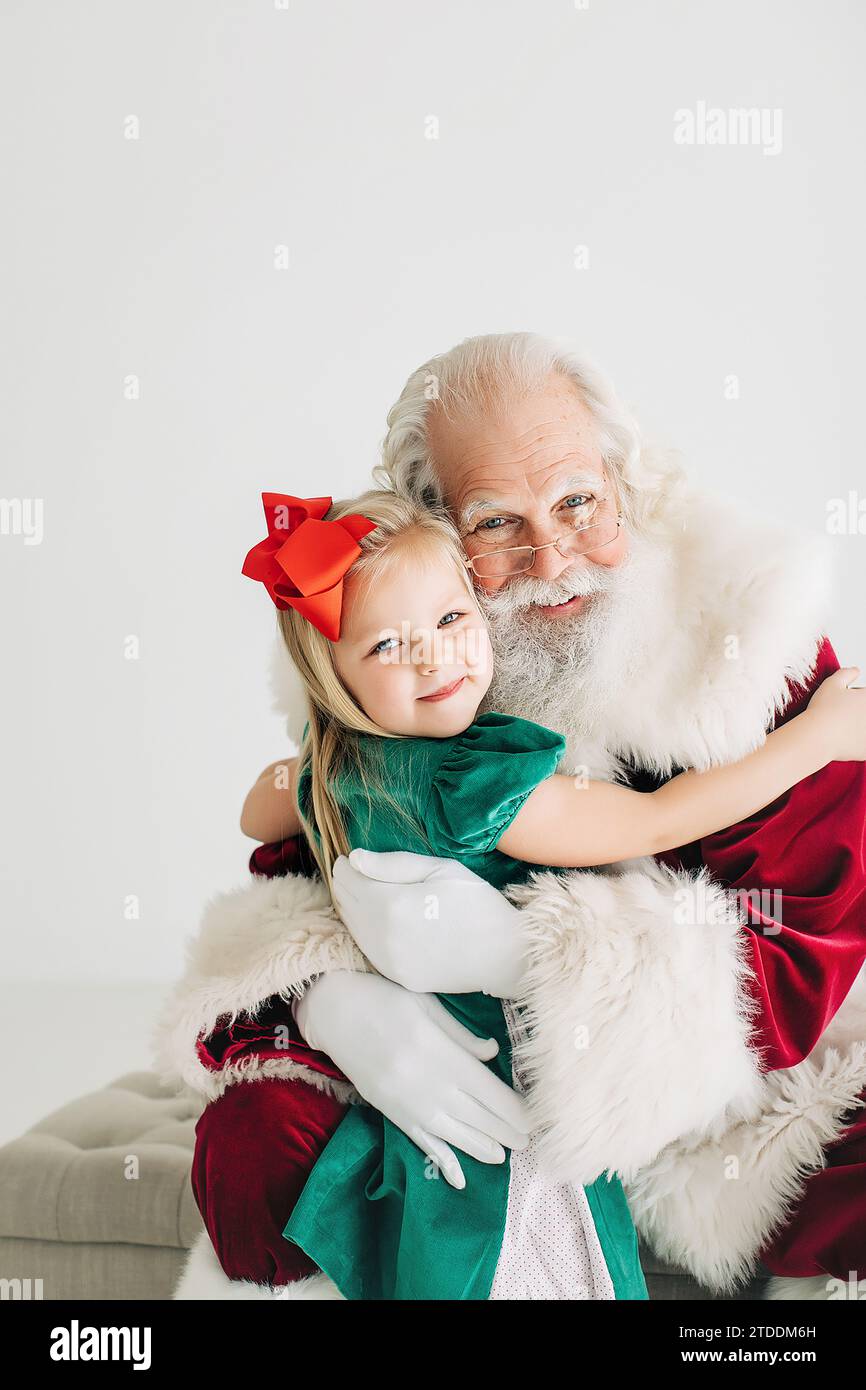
306 126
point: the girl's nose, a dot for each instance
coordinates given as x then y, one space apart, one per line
429 657
434 652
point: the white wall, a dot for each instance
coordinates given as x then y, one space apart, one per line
155 257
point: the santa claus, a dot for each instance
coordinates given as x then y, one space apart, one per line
697 1023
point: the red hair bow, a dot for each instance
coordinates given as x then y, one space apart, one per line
303 558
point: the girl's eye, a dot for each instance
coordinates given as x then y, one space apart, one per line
448 618
383 646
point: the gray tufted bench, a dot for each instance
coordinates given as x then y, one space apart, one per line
96 1202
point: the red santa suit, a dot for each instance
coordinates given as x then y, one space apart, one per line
723 1069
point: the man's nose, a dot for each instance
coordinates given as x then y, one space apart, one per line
550 564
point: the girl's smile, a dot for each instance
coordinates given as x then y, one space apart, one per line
444 691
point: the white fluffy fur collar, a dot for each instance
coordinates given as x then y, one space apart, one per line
733 613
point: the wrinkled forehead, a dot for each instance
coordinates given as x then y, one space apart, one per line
520 454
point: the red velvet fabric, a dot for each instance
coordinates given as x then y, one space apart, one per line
273 1033
254 1148
811 845
255 1144
288 857
827 1230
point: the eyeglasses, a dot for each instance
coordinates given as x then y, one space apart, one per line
578 540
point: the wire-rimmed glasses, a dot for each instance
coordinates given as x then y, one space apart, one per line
602 529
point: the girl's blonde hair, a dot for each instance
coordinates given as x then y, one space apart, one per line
335 719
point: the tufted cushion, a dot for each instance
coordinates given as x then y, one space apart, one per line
109 1167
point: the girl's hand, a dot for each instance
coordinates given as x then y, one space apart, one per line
841 709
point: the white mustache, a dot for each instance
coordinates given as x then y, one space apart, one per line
524 592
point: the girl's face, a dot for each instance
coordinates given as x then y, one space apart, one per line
414 649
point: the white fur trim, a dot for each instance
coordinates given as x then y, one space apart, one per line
638 1020
268 938
699 697
203 1279
711 1203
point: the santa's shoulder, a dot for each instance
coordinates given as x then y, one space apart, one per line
748 601
767 584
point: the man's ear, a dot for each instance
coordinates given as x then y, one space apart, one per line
288 696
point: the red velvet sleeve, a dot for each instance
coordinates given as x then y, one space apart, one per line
810 846
283 857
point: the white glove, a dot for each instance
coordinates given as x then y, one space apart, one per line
411 1060
430 924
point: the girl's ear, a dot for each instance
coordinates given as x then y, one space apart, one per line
288 696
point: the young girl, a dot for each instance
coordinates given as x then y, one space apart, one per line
378 613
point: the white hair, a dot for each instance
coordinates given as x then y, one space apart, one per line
482 372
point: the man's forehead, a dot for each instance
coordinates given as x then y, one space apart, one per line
500 414
504 440
529 450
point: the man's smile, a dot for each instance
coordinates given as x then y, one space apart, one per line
561 610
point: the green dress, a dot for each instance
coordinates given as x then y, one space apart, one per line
374 1214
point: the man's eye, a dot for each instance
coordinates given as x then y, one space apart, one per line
383 646
491 523
579 499
448 618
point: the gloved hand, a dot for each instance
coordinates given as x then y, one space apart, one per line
416 1064
430 924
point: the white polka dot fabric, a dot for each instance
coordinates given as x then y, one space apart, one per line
550 1249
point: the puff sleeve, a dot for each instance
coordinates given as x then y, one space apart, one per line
483 781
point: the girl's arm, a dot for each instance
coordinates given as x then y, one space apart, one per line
270 812
570 824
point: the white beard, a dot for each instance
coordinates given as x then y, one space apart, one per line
565 674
